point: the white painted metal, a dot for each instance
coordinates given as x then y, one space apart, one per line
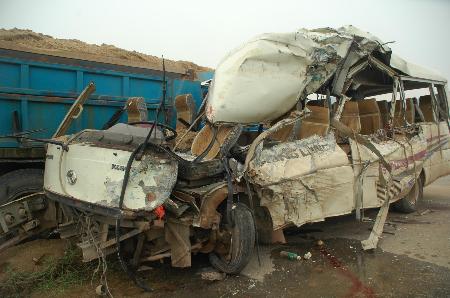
99 176
263 79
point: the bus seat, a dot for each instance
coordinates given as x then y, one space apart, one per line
384 112
185 106
283 133
136 109
426 108
205 137
369 116
318 123
410 113
350 116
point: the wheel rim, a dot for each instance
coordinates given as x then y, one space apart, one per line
225 247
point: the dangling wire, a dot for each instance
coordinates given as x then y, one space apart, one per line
131 273
252 208
136 154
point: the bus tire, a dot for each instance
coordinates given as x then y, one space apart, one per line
411 201
18 183
242 244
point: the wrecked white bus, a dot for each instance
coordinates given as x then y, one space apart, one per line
267 156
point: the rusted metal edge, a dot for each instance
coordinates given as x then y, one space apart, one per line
75 110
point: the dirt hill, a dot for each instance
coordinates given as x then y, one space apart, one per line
38 42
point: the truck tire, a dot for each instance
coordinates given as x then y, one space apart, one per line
21 182
411 201
242 242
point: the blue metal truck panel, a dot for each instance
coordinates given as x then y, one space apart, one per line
41 88
205 75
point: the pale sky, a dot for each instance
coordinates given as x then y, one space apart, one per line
204 31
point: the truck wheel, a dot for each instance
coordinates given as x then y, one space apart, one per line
410 202
238 247
18 183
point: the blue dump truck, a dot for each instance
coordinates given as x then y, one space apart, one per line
38 87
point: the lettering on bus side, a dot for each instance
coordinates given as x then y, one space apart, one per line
117 167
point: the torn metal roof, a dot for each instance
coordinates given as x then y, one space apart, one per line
264 78
414 70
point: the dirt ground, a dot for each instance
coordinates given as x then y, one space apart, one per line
28 256
412 260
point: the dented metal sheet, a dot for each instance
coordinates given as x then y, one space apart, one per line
406 159
298 181
264 78
311 179
96 176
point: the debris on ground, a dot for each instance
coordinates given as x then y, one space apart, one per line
307 255
37 260
389 223
100 290
144 268
213 275
389 229
387 232
410 221
426 211
252 285
290 255
400 220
